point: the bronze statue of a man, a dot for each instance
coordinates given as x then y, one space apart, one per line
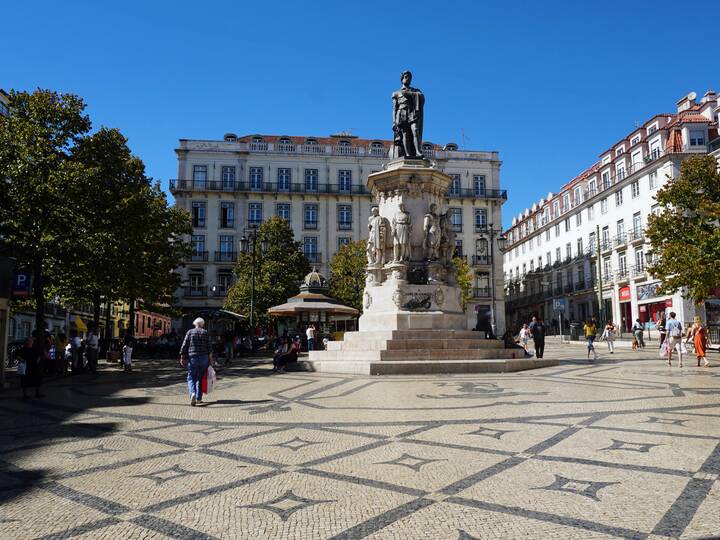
408 104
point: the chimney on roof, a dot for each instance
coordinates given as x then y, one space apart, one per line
710 95
685 103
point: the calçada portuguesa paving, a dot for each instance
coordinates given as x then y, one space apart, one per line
621 448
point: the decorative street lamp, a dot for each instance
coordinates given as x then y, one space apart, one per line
494 234
248 245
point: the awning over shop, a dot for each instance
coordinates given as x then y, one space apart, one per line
293 308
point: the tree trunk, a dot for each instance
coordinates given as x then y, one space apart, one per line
39 294
131 325
96 311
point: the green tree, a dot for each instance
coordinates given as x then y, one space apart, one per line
278 271
111 178
39 218
347 274
464 279
685 235
154 247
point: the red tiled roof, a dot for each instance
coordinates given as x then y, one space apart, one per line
694 118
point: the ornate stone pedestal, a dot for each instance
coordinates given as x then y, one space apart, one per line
412 320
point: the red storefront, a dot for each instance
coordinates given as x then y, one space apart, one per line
625 309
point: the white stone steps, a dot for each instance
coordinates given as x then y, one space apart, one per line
420 367
408 355
414 334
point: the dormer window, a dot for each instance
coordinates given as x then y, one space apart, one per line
635 140
697 138
311 142
344 143
257 139
284 140
619 151
451 147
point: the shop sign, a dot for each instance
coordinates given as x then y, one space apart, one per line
647 291
625 294
22 284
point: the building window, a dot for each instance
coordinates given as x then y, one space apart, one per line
224 281
592 188
655 209
200 176
620 230
547 235
199 212
454 190
310 249
640 260
635 140
578 218
343 241
558 255
604 206
655 149
228 178
197 244
523 246
557 230
255 214
256 178
227 215
556 209
344 217
605 180
479 185
282 210
311 179
637 224
652 180
227 246
456 219
345 181
591 212
458 251
620 172
566 202
480 219
635 189
605 237
567 224
310 216
607 268
283 179
579 246
653 128
548 258
697 138
568 251
619 198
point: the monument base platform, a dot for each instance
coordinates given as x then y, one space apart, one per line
419 352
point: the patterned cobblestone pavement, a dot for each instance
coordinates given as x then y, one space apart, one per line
624 447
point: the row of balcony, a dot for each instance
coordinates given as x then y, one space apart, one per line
312 188
231 256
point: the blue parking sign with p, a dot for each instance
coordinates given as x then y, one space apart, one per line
22 284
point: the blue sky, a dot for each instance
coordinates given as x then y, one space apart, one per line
549 85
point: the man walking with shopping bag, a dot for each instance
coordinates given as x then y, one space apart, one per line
195 354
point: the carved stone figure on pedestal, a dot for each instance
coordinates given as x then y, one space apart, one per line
431 228
402 226
376 239
447 242
408 104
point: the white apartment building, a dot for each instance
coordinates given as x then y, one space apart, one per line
319 185
553 248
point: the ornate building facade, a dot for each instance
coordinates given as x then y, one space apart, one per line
319 185
597 221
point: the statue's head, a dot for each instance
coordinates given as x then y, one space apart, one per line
433 207
375 211
401 206
406 77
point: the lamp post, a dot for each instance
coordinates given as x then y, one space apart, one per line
248 244
493 234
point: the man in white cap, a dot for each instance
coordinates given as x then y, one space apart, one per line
195 353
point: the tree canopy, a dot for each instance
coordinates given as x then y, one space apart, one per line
78 210
685 234
278 271
39 214
347 274
464 279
